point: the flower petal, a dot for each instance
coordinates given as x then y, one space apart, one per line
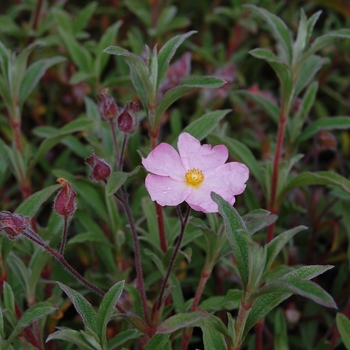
230 177
164 161
166 191
194 155
227 180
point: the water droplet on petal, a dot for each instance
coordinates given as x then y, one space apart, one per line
165 192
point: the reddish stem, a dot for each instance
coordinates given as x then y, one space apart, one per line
276 163
259 327
206 272
36 19
28 233
28 332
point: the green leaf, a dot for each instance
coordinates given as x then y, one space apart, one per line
205 124
71 336
331 123
308 71
307 272
9 298
79 77
241 153
90 237
106 309
318 178
213 339
80 56
276 245
107 39
137 322
123 337
117 180
343 325
35 312
267 105
234 229
278 29
158 342
84 16
326 39
33 203
140 88
230 301
258 219
302 37
168 51
186 86
33 75
298 120
82 306
181 320
261 307
136 63
280 336
37 264
305 288
80 124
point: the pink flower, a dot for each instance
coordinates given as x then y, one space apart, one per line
192 174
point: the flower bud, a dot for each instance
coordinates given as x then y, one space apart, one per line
100 169
106 105
127 120
13 224
64 204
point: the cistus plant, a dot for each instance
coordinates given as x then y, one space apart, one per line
176 225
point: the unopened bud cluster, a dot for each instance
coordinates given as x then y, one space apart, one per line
126 118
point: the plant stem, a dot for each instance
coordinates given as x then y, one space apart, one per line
28 331
173 258
121 159
243 313
276 163
116 150
64 235
206 272
139 274
28 233
258 334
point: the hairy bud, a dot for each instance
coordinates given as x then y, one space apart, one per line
13 224
64 204
100 170
106 105
127 119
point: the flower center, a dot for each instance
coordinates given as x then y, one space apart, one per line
194 177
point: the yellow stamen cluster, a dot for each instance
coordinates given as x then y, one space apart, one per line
194 177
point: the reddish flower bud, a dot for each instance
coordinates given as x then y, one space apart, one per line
127 120
100 169
13 224
64 204
106 105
